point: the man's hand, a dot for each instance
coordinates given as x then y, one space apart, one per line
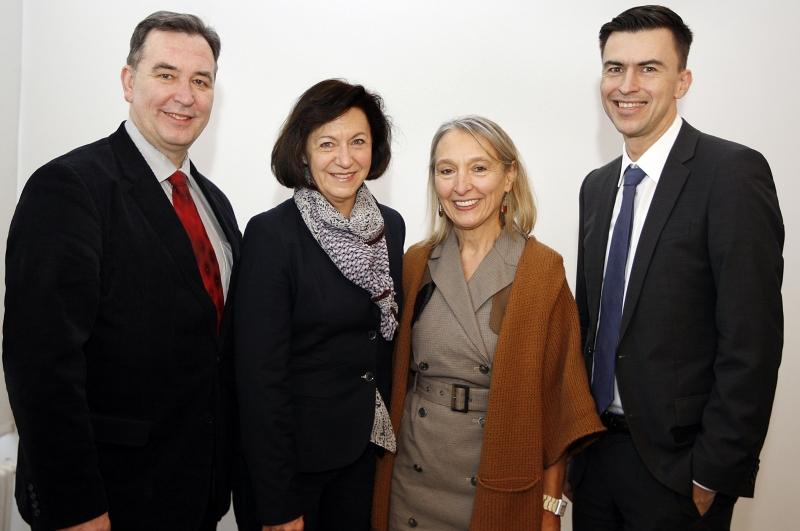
702 498
101 523
294 525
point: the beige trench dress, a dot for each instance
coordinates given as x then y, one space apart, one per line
433 484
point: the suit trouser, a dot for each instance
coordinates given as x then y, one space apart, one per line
617 492
333 500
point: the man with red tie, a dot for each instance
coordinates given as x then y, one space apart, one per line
116 341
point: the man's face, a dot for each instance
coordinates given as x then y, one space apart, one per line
171 90
642 82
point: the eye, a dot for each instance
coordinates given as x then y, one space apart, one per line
445 172
165 75
326 145
480 168
200 82
648 69
614 70
359 142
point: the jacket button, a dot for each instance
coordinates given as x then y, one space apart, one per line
368 376
30 487
37 513
412 522
372 335
423 366
422 412
473 481
417 468
484 369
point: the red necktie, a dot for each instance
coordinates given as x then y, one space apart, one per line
203 250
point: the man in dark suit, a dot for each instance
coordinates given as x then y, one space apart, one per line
116 344
679 291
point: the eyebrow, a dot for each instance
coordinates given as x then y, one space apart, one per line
167 66
640 63
469 161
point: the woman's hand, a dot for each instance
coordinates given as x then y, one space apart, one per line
294 525
550 522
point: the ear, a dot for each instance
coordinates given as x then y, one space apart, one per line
684 82
126 76
511 176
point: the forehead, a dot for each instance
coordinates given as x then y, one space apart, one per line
457 143
178 49
354 120
638 46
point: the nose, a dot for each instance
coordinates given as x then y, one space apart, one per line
343 157
463 183
184 94
630 83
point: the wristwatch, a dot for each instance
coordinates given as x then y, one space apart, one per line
557 506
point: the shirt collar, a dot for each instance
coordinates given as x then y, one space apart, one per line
653 160
159 164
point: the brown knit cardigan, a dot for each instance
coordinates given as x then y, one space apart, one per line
539 406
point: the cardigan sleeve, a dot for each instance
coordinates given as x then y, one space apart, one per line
570 420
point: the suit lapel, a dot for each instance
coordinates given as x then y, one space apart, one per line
153 202
228 224
673 177
596 239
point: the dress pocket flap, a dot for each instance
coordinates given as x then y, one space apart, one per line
508 484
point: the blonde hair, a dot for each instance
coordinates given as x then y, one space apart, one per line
521 214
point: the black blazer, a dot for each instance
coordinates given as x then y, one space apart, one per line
309 355
120 386
702 325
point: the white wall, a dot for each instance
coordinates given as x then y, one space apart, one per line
10 58
531 66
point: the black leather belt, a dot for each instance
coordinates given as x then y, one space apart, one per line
615 423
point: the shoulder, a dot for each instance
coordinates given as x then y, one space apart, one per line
539 267
419 252
392 218
275 222
597 174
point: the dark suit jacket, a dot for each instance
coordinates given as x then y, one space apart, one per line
702 325
309 355
120 385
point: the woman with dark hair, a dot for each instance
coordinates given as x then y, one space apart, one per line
315 315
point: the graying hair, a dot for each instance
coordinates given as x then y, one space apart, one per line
169 21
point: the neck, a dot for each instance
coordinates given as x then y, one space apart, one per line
637 146
475 244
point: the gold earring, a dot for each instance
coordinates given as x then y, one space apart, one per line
441 209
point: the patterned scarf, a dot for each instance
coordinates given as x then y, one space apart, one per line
357 246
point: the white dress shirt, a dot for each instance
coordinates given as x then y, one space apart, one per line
652 163
163 168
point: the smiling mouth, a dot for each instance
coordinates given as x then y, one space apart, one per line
630 104
342 176
465 203
179 117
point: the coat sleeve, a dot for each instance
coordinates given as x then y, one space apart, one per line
53 260
262 327
570 419
745 243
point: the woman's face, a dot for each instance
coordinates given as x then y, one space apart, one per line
339 154
470 182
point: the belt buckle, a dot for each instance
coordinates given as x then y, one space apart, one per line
454 398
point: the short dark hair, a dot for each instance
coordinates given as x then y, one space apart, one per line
169 21
651 17
322 103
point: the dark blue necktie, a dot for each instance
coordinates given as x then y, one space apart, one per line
605 346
